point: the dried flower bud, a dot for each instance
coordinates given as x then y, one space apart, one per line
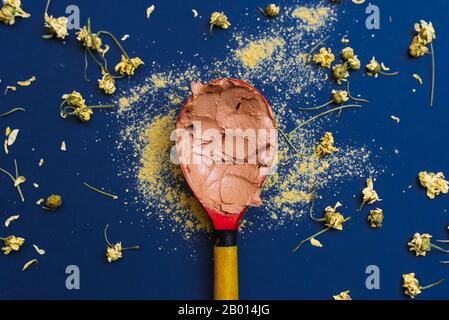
107 83
354 63
326 145
373 68
426 32
375 218
113 253
272 10
90 40
343 296
84 114
434 183
324 58
128 66
347 53
340 96
418 48
420 244
10 10
12 243
56 26
369 194
74 99
53 202
334 219
340 72
411 285
218 19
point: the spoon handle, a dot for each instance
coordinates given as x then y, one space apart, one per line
226 266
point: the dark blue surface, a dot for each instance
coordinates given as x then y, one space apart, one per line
268 269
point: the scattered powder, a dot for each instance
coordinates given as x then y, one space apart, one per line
257 51
158 81
271 59
123 104
313 17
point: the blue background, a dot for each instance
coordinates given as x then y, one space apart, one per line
268 269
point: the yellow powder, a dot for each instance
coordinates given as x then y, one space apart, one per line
311 16
123 104
158 81
161 182
257 51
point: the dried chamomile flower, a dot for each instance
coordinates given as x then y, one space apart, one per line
324 58
434 183
74 99
107 83
128 66
340 72
340 96
271 10
10 10
75 105
343 296
84 114
373 68
114 251
354 63
11 243
375 218
53 202
56 26
326 145
421 243
426 35
334 219
418 48
91 41
369 194
411 285
218 19
426 32
347 53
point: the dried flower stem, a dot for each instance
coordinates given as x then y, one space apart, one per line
322 115
289 142
117 43
308 239
439 248
388 74
262 11
66 110
318 107
106 236
19 190
46 7
432 285
315 235
353 98
111 245
432 90
11 112
113 196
